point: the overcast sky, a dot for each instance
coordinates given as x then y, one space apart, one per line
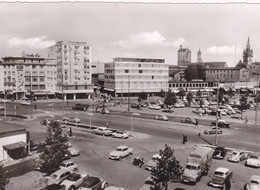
133 29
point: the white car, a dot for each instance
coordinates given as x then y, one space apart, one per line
102 131
220 177
120 134
154 107
253 183
58 176
120 152
237 156
73 151
73 181
148 184
25 103
152 163
114 188
253 160
161 117
69 165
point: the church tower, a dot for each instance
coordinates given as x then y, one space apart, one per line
199 58
247 54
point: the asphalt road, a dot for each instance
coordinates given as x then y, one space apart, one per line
149 137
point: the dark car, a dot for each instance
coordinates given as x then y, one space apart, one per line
54 187
167 111
188 120
220 152
221 123
81 107
93 183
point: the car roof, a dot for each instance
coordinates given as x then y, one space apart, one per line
122 147
101 128
60 171
221 169
255 178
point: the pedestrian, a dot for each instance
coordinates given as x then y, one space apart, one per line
228 184
246 119
196 122
184 139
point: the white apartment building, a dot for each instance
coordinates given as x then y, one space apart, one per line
136 75
73 69
26 75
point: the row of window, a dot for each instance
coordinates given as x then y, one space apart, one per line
220 71
184 85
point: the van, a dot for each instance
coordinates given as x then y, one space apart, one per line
58 176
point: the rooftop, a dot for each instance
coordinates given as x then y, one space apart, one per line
143 60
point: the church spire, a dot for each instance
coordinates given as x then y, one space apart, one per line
248 43
247 53
199 58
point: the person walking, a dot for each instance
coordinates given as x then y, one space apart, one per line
228 184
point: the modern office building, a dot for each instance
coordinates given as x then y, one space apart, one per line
184 56
136 75
73 69
28 75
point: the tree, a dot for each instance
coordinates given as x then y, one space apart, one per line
181 93
226 98
3 178
243 104
189 97
221 95
195 71
161 93
170 99
198 94
230 92
168 168
54 148
142 96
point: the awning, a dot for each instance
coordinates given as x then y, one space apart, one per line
15 145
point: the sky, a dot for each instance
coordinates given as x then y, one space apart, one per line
148 30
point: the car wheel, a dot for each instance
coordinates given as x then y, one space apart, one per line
122 137
103 134
75 169
182 121
72 188
113 136
105 186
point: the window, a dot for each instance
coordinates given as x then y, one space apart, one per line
41 79
139 65
140 71
35 79
152 77
126 71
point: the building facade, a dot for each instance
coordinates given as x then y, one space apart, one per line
184 56
27 75
227 74
73 69
136 75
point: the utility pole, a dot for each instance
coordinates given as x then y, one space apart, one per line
257 101
216 142
128 92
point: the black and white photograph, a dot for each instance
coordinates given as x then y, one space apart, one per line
129 95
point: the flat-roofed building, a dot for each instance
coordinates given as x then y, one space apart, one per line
136 75
74 76
28 74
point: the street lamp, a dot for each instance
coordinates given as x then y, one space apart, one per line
257 101
216 142
90 114
132 123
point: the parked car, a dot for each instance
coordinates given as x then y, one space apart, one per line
25 103
58 176
253 160
188 120
150 183
73 151
69 165
103 111
120 134
220 152
54 187
114 188
81 107
154 107
237 156
73 181
94 183
45 122
161 117
102 131
168 111
120 152
152 163
71 119
221 123
253 183
213 130
220 177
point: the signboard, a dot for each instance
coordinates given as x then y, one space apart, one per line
20 78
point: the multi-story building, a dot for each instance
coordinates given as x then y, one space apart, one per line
97 73
27 75
227 74
184 56
136 75
73 69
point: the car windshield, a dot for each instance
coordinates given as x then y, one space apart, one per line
191 167
120 149
149 182
220 174
234 154
54 176
253 182
73 177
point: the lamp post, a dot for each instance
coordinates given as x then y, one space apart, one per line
257 101
132 122
216 142
90 114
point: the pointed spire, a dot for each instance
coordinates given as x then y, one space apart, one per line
248 42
